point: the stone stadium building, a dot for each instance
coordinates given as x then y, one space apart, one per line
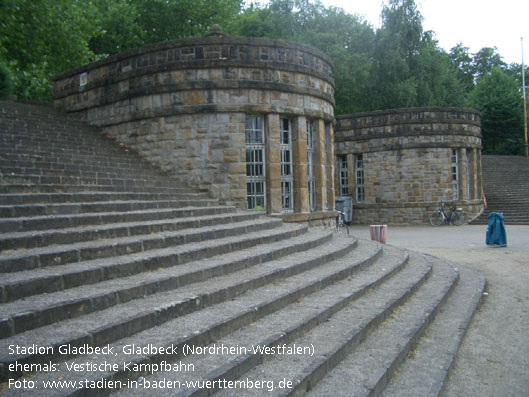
251 120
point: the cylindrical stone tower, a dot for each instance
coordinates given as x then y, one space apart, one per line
399 164
248 119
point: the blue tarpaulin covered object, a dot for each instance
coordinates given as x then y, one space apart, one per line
496 234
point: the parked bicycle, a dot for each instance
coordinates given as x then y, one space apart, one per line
340 222
456 216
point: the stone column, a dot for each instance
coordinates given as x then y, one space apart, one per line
329 131
273 159
301 176
475 191
235 157
320 166
479 174
463 186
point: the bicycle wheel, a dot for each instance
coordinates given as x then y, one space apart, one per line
436 219
458 218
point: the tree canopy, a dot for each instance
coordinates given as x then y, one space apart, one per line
397 65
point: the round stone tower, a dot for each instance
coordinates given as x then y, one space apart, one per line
248 119
398 164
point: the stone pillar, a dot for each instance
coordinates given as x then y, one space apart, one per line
236 161
320 167
475 191
301 176
329 132
463 186
273 157
479 174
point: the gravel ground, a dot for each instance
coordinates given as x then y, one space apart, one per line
494 357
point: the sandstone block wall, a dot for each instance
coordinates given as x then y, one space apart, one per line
182 104
408 162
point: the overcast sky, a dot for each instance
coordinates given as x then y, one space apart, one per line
475 23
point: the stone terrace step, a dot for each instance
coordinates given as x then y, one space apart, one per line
369 366
78 161
82 188
30 210
94 196
25 224
119 157
94 172
93 250
86 180
33 239
275 264
506 187
248 305
430 363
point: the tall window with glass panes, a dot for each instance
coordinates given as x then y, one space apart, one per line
359 181
255 163
311 132
287 181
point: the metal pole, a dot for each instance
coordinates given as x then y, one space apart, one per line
524 105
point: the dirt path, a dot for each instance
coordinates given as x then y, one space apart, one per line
494 357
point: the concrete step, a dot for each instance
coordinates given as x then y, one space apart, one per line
80 188
34 239
25 224
16 164
430 362
95 250
506 188
303 271
42 209
86 162
120 159
122 183
110 172
89 296
94 196
368 368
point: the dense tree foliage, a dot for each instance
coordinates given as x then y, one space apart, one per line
396 65
496 96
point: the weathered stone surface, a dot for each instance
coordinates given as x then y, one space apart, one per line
182 104
407 163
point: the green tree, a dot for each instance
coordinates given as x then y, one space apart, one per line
40 38
485 60
117 29
409 69
462 61
497 96
163 20
346 38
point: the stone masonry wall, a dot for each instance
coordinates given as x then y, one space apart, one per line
407 161
182 104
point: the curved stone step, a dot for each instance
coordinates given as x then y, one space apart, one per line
34 239
80 188
86 263
41 209
86 180
300 318
128 318
428 366
91 196
24 224
16 317
368 368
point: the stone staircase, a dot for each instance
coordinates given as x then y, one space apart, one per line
115 280
506 187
